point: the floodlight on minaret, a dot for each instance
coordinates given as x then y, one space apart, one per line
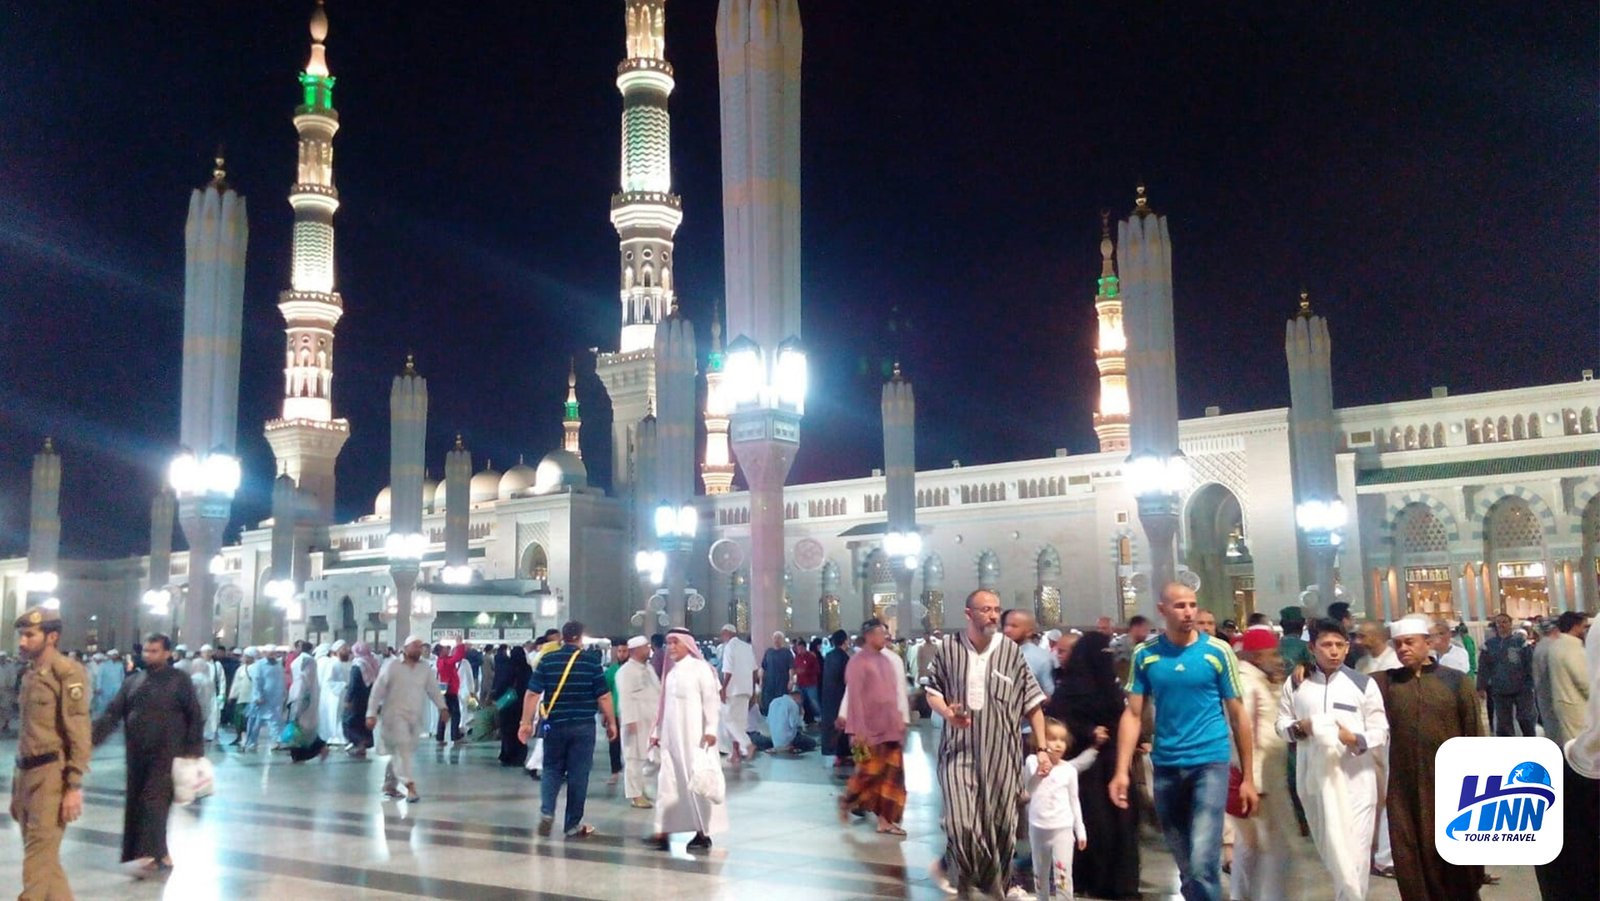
646 215
717 470
306 438
1111 420
758 61
205 474
1156 469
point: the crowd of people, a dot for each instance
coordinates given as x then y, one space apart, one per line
1054 748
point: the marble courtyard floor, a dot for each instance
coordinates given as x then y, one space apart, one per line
321 830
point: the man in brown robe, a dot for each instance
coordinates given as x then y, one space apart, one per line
1427 705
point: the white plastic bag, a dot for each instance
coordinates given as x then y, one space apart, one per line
652 762
706 778
193 778
535 761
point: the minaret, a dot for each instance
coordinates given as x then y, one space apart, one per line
306 439
205 474
44 526
717 470
646 215
457 489
163 509
758 61
406 545
899 408
676 362
571 421
1144 255
1111 420
1320 512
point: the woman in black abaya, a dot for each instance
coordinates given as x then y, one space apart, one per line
510 683
1088 695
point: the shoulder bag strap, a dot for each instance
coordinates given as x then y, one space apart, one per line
545 713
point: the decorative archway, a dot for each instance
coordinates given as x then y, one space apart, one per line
1047 594
1514 548
348 627
828 604
933 592
989 571
535 563
1213 519
1422 559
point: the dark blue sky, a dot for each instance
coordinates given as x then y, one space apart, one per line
1428 172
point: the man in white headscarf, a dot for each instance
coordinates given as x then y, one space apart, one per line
333 676
206 675
638 700
686 736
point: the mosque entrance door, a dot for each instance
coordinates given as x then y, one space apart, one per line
1214 526
348 627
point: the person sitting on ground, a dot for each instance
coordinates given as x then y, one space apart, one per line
784 721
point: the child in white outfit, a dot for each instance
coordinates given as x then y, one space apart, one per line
1055 816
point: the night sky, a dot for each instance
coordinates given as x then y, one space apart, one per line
1426 171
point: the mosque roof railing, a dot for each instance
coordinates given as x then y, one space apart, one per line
1478 468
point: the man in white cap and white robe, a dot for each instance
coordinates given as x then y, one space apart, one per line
399 700
638 697
1335 716
206 675
738 684
333 675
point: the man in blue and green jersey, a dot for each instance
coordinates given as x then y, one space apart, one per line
1193 678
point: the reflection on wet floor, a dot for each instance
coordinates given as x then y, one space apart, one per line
321 830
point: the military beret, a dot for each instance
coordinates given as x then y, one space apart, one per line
37 616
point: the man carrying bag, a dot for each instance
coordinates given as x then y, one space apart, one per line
576 683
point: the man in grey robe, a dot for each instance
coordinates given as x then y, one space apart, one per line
982 687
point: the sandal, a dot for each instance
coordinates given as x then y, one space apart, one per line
891 829
582 830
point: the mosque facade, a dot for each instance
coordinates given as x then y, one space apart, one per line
1461 505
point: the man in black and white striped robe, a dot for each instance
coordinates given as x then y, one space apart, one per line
982 687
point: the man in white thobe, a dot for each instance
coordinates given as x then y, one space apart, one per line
1447 652
1336 718
398 700
333 675
206 676
638 697
738 684
686 731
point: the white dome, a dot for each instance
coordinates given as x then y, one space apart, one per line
383 505
429 489
485 486
561 470
517 482
438 497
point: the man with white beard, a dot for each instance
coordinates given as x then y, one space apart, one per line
638 700
686 730
404 685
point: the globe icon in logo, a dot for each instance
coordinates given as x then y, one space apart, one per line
1528 773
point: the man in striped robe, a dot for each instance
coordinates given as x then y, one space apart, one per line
982 687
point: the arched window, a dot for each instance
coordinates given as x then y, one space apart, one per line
1518 430
1533 426
1438 434
1411 437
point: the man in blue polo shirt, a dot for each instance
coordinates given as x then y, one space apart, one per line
570 682
1193 678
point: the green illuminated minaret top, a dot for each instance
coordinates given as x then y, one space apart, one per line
316 80
571 406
